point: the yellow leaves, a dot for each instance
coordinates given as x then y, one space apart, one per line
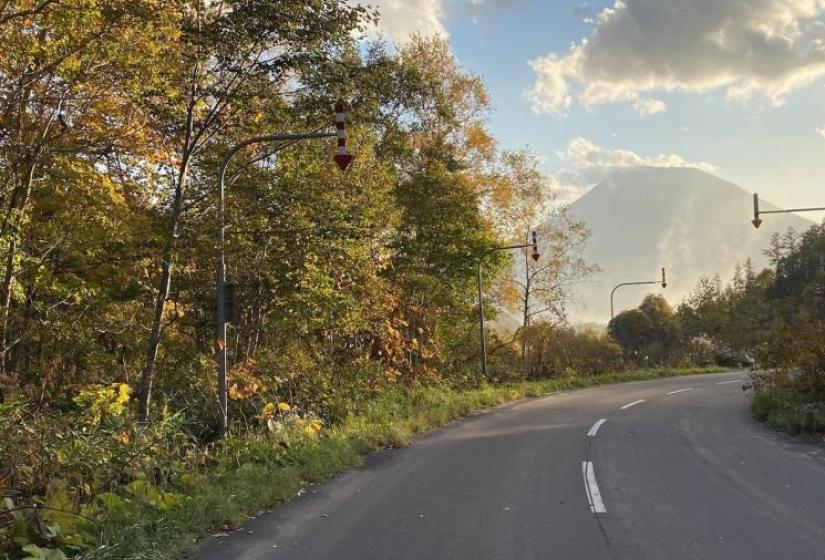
123 437
240 393
123 394
479 140
102 401
283 419
510 294
309 427
271 409
244 391
172 307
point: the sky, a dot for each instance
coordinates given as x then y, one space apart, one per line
733 87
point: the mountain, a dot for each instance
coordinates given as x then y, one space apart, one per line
691 222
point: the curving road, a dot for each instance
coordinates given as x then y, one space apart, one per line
667 469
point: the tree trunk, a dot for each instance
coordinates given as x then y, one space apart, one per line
147 377
13 233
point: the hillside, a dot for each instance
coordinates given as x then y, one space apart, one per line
686 220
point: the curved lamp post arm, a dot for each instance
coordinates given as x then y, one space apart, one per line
342 159
221 318
663 282
534 245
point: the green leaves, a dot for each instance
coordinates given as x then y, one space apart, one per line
34 552
116 118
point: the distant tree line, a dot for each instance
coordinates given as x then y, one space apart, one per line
771 320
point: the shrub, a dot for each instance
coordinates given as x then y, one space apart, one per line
789 409
555 351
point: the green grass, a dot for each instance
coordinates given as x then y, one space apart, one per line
789 409
254 472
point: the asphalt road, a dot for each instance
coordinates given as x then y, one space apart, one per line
687 475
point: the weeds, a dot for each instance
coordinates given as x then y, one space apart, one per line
789 409
254 472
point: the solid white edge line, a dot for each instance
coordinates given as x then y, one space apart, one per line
680 391
586 487
594 497
726 382
634 403
595 429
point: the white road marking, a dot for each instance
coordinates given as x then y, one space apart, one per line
634 403
680 391
726 382
595 429
594 497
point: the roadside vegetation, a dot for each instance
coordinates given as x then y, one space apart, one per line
356 322
773 320
162 492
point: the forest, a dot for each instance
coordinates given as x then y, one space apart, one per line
115 117
356 320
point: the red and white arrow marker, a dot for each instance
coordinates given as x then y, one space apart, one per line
342 158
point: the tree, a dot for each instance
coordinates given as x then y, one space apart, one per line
69 92
237 53
524 201
649 334
546 284
633 330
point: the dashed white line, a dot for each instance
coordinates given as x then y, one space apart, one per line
680 391
726 382
594 497
634 403
595 429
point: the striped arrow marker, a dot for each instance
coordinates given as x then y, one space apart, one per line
342 158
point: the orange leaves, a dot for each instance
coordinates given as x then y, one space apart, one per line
244 391
478 139
245 383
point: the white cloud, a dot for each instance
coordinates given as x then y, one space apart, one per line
585 13
821 131
550 93
743 47
564 192
586 164
649 106
401 19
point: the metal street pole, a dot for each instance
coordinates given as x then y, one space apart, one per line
342 158
526 310
663 282
481 322
536 255
757 221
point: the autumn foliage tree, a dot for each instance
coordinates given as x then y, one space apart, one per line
114 118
